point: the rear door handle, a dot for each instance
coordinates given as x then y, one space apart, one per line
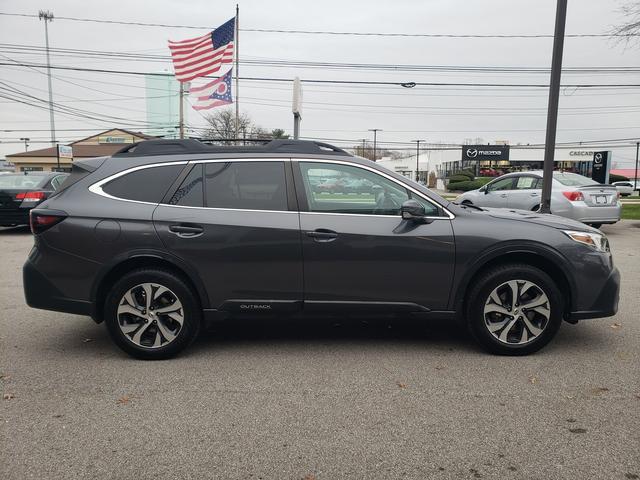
187 230
534 194
322 235
503 195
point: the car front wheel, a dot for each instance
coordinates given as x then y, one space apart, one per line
514 309
152 314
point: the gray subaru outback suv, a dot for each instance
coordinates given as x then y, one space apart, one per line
165 235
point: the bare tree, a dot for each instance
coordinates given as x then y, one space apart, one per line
629 31
222 128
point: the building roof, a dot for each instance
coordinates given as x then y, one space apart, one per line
79 151
129 132
625 172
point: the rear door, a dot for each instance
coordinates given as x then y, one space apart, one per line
526 193
359 253
236 223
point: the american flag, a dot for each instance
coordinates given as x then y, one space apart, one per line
203 55
213 94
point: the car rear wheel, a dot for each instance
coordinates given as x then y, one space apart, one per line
514 309
595 225
152 314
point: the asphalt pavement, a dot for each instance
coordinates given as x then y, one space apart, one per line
323 399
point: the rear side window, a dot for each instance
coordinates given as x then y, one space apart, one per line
573 179
144 185
190 193
246 185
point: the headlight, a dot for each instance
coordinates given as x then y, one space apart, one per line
595 240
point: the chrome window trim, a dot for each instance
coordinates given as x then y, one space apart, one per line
96 188
389 177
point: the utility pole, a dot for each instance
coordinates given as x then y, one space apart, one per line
417 158
635 178
47 16
237 50
181 109
552 111
26 145
375 142
364 141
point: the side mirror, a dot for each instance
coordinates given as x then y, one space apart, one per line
485 189
412 210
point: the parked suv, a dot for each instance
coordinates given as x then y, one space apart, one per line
165 234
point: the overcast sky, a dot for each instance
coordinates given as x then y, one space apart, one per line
336 111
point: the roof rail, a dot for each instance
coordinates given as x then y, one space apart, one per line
173 147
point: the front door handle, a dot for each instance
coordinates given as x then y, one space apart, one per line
187 230
534 194
322 235
503 195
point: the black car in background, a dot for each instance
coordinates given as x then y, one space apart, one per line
20 192
165 234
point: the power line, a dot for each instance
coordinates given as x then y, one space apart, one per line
343 82
327 32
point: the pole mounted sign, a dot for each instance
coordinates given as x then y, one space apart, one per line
601 166
485 152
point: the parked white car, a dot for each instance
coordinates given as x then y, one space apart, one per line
625 188
572 196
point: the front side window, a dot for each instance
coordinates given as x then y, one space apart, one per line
144 185
502 184
246 185
335 188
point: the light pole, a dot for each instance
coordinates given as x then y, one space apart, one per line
25 140
417 158
375 142
47 16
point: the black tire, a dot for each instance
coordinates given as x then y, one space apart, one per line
191 312
595 225
494 278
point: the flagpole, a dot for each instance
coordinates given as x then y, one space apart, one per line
237 50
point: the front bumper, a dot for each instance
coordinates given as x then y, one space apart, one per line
605 304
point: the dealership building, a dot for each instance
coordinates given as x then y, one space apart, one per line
494 160
60 158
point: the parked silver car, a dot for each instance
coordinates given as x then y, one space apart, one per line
572 196
625 188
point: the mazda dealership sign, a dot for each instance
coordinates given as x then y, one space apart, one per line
485 152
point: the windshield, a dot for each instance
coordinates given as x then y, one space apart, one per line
573 179
20 181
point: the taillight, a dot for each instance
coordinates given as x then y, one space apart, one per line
573 196
31 196
39 222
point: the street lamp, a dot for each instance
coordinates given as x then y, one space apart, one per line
375 140
417 158
26 145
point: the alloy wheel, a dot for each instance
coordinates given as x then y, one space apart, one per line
150 315
517 312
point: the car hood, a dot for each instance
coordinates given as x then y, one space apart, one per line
547 220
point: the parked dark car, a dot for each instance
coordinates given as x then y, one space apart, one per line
165 234
20 192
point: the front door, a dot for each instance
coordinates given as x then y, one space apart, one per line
497 193
359 252
234 223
